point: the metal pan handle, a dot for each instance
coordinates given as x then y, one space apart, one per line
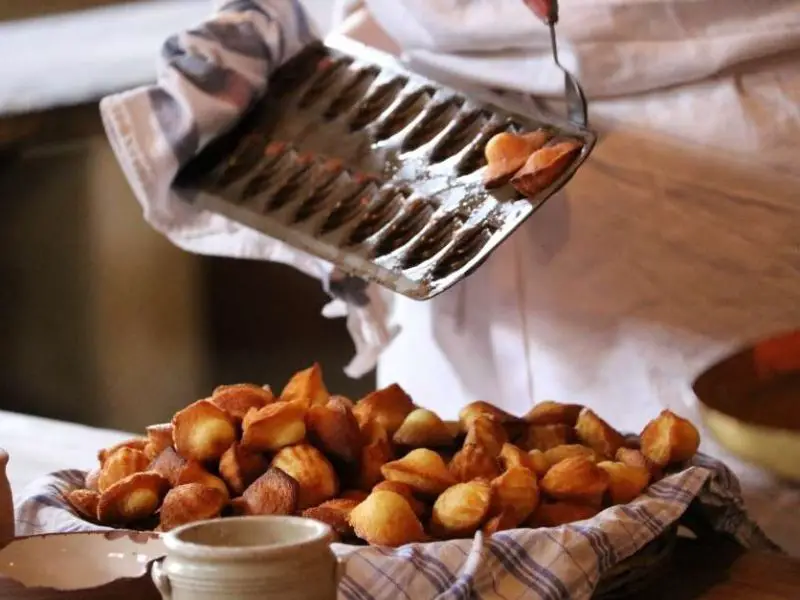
546 10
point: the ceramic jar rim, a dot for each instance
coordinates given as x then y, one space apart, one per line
318 534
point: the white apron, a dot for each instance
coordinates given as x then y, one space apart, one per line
675 243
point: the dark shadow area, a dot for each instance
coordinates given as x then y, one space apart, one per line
264 324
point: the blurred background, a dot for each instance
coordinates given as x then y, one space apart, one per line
103 321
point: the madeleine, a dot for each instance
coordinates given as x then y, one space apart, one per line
473 462
423 429
669 439
189 503
275 426
313 472
306 388
131 499
515 493
598 435
202 431
334 429
389 407
423 470
238 399
461 509
625 483
386 519
577 479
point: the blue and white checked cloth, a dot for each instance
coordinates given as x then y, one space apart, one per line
548 564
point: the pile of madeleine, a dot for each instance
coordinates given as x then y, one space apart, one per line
382 470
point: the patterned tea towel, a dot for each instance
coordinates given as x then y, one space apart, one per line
560 563
208 77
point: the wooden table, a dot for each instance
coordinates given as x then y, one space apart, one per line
721 570
717 570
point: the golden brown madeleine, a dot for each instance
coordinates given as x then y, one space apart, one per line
545 166
423 470
194 472
84 502
386 519
635 458
120 464
625 483
92 480
514 456
559 453
343 401
480 408
239 467
313 472
238 399
503 522
336 514
376 452
545 437
487 433
539 463
274 493
388 406
333 428
473 462
132 499
132 444
423 428
169 465
553 514
553 413
598 435
275 426
306 387
669 439
577 479
507 152
202 431
461 509
406 492
159 438
189 503
515 493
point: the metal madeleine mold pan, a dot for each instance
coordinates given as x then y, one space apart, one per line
354 159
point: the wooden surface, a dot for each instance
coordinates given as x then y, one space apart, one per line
722 571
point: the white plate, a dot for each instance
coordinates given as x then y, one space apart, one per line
75 561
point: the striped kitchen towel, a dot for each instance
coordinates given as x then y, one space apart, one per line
208 77
560 563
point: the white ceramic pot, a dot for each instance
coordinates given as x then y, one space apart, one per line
6 503
249 558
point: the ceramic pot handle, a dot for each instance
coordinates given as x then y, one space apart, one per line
161 579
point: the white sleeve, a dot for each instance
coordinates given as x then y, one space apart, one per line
616 46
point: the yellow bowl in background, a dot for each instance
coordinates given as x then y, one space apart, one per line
750 402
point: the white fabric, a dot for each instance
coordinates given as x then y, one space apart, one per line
678 240
38 446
